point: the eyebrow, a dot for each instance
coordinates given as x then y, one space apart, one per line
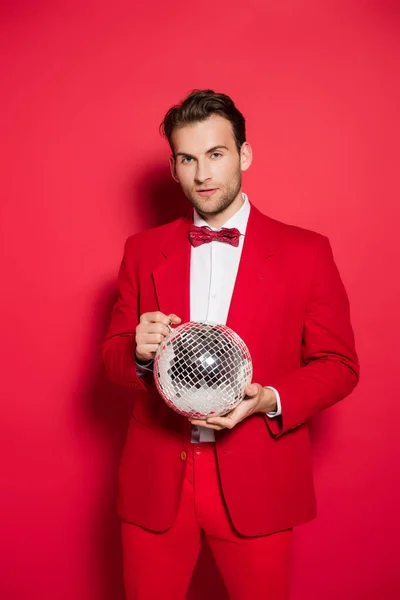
207 152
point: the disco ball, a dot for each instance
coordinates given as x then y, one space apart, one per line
202 369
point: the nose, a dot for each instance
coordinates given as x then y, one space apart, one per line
202 172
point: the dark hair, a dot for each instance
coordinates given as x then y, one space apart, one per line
198 106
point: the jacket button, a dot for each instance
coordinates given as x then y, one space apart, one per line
183 455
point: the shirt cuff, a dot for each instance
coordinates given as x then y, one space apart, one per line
278 403
143 369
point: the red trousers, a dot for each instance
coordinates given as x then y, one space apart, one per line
160 565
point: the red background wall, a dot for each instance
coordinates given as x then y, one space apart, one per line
84 89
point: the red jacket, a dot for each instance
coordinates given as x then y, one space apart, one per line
290 307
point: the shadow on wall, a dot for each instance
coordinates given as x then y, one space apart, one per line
107 411
108 407
159 198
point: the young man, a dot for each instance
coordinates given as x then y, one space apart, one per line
242 481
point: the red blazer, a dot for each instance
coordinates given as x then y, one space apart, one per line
290 307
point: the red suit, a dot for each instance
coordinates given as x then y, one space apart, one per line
290 307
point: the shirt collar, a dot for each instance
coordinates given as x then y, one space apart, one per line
238 220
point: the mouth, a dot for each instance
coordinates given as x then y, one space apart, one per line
206 191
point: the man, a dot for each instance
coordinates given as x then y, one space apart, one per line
242 481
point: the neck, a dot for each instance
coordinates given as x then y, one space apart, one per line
222 217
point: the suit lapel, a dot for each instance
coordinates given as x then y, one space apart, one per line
255 275
171 277
254 280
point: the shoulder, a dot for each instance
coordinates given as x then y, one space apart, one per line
290 235
153 236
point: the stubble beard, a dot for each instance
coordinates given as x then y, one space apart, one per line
226 199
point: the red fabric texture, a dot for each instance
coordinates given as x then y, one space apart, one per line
250 567
290 307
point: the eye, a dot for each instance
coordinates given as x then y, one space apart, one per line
216 154
185 158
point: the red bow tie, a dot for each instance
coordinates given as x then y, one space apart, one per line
204 235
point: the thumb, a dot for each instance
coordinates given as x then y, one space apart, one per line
251 389
174 318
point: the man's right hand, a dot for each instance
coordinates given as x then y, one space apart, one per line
152 329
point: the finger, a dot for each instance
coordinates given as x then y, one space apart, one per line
252 389
206 424
155 317
227 420
223 422
155 328
235 416
201 422
147 348
149 338
174 319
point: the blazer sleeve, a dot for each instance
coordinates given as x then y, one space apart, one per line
118 347
330 367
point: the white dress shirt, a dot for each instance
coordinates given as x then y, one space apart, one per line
213 270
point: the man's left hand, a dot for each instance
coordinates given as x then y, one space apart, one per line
257 400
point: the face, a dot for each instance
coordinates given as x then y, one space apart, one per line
207 164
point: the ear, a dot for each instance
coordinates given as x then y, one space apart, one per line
246 156
172 167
